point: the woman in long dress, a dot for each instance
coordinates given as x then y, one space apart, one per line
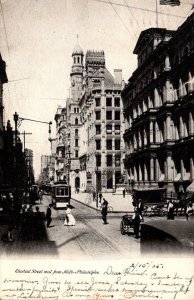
69 218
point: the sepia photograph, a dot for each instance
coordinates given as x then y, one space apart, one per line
97 149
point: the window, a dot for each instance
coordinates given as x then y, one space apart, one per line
74 60
117 160
109 129
98 144
117 102
76 142
74 110
76 121
78 60
117 129
98 115
97 101
109 160
76 132
109 144
98 160
109 115
98 129
76 153
117 115
108 101
77 110
117 144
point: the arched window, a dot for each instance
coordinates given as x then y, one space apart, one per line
76 132
78 60
74 60
76 121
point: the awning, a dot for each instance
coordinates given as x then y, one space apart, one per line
190 188
149 189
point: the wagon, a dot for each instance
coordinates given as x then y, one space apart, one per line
126 225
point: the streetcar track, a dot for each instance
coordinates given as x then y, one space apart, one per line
85 248
105 240
75 236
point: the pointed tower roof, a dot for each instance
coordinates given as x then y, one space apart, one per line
77 49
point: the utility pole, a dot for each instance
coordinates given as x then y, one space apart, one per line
24 134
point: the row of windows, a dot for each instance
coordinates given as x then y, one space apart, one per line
110 160
109 129
109 144
76 110
109 102
109 115
77 60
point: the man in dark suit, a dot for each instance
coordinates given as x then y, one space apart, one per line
104 210
140 208
48 215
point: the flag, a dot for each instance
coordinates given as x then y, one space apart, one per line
170 2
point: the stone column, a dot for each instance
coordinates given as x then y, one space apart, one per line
192 168
140 172
169 167
145 172
181 128
151 131
167 63
156 98
182 169
190 84
140 141
145 137
191 124
168 127
135 173
152 169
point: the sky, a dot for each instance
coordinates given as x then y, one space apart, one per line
37 38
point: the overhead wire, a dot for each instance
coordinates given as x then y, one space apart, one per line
119 17
138 8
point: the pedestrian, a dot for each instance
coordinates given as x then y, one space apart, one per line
94 195
104 210
48 215
69 218
7 237
124 193
136 223
140 208
100 197
38 226
170 210
189 210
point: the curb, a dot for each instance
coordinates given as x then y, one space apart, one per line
110 212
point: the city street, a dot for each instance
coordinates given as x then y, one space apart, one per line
89 238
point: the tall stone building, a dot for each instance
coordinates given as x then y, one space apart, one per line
3 80
94 148
101 162
60 119
159 112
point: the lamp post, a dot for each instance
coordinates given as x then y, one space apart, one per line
97 162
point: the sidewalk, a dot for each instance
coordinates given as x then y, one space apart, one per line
116 203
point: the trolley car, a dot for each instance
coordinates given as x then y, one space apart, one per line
61 195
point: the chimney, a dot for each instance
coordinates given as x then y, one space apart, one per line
118 76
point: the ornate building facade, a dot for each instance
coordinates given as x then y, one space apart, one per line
93 144
159 111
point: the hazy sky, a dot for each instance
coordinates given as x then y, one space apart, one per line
37 38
